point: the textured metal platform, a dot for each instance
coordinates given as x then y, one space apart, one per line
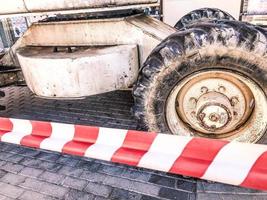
35 174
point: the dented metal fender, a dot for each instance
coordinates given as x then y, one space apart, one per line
108 55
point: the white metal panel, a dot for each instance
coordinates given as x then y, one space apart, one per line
29 6
81 73
12 6
173 10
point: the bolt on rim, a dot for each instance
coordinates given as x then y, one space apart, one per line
218 104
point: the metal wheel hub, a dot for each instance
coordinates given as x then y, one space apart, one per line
216 104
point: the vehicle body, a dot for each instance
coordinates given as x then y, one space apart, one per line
100 46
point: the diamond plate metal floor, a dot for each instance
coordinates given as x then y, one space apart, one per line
26 173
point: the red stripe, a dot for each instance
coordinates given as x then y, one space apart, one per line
84 137
6 126
40 131
197 156
135 145
257 177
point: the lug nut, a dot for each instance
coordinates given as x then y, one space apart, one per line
234 101
201 116
193 114
204 89
222 89
193 102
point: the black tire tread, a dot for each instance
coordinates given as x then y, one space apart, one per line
200 15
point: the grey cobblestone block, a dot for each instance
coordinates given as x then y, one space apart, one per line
208 196
135 174
124 194
70 171
144 197
78 195
111 170
31 172
168 193
68 160
10 190
52 177
138 187
88 165
5 155
15 158
189 186
30 195
204 186
13 179
2 173
41 164
98 189
93 176
161 180
2 197
44 188
52 157
101 198
11 167
74 183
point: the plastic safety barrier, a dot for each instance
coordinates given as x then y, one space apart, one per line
226 162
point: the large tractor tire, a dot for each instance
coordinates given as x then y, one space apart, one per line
208 81
202 15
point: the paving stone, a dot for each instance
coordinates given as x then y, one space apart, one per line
70 171
2 173
44 188
124 194
52 177
30 195
11 167
161 180
144 197
2 197
208 196
74 183
41 164
52 157
15 158
88 165
98 189
204 186
186 185
93 176
138 187
168 193
78 195
10 190
13 179
109 169
31 172
68 160
136 174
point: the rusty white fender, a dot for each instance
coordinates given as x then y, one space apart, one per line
84 72
128 41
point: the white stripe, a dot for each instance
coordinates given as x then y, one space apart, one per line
61 134
163 152
233 163
21 128
107 143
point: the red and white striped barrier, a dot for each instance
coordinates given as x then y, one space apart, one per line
226 162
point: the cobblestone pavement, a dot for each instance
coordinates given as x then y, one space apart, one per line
27 173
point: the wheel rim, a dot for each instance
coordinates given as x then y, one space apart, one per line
218 104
